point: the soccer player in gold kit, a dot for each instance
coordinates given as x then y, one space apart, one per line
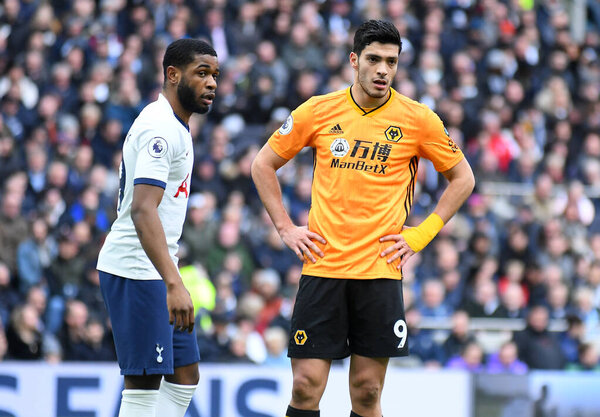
367 142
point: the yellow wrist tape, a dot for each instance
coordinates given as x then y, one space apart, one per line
420 236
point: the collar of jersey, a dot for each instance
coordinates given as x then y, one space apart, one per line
370 112
161 97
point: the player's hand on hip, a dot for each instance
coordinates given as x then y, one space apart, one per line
399 250
301 241
181 308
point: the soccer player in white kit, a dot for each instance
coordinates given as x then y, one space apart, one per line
151 312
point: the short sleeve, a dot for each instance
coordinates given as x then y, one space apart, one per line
437 146
295 133
154 158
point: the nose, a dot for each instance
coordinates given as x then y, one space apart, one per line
211 84
382 69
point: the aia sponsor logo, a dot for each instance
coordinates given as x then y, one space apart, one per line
183 188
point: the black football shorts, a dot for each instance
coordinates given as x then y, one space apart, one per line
335 317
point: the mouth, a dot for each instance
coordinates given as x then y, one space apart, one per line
380 84
207 99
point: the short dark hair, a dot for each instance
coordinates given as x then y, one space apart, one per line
376 31
183 51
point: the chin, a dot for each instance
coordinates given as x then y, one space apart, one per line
379 94
201 109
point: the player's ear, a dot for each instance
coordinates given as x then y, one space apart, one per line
354 60
173 75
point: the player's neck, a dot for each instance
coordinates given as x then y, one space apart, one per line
364 100
171 96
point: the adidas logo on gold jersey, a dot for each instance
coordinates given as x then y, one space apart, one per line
336 130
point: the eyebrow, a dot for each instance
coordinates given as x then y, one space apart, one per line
206 66
371 55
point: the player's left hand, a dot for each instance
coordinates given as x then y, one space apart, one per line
399 249
181 307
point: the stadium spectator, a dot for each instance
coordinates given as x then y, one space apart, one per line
432 296
36 297
572 338
422 344
9 296
89 292
266 283
3 343
512 303
214 343
200 229
229 246
471 358
454 288
10 161
506 360
558 301
248 312
587 359
72 335
97 344
485 302
537 347
584 307
35 255
238 349
13 229
459 336
276 340
65 273
23 334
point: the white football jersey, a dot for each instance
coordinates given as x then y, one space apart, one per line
158 150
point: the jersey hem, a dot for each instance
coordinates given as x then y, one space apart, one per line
317 355
147 371
280 153
451 164
345 276
120 274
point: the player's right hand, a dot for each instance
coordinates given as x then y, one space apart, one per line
301 241
181 308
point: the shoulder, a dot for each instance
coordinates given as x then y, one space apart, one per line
152 111
407 103
321 105
324 100
330 98
157 121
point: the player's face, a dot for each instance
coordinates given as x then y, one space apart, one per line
375 69
198 83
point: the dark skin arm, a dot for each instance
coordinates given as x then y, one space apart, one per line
144 213
298 239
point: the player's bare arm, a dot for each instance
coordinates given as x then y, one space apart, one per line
144 213
460 186
298 239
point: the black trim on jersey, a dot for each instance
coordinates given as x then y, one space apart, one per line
182 122
372 110
410 188
122 180
313 173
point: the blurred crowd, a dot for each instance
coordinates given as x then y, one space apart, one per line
517 83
